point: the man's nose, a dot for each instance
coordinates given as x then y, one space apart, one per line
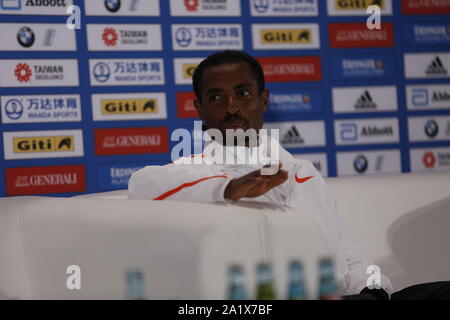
232 106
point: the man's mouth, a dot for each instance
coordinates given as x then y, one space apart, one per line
235 125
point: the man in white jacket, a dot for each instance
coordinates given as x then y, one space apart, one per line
231 95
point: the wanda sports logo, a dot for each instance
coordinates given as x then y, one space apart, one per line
131 141
185 105
426 6
291 69
356 35
45 180
23 72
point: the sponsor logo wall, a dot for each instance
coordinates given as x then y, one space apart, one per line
81 110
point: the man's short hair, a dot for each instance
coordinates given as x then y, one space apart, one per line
224 57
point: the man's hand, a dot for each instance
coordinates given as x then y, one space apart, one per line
254 184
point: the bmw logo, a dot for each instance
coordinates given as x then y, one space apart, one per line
112 5
14 109
183 37
361 164
431 129
26 37
261 6
101 72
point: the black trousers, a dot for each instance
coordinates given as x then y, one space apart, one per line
425 291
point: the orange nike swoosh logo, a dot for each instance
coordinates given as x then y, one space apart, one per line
302 180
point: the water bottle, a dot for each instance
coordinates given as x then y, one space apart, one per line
135 285
328 288
236 283
265 289
297 287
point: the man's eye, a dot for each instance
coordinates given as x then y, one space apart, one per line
244 93
214 97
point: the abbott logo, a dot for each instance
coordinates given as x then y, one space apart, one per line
74 20
349 132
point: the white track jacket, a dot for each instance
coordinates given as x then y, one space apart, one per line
305 189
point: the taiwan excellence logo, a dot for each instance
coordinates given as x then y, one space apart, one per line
112 5
183 37
429 160
14 109
26 37
110 37
191 5
102 72
23 72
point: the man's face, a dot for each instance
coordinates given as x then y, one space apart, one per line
230 98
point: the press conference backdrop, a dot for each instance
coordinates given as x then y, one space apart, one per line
83 109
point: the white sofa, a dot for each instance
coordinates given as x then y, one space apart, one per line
184 249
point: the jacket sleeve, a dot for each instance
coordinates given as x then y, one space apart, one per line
178 182
314 197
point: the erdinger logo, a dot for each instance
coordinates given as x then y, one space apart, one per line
261 6
110 37
360 164
14 109
112 5
431 129
23 72
191 5
26 37
429 160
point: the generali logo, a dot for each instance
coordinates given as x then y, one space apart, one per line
426 6
185 105
131 141
291 69
44 180
357 35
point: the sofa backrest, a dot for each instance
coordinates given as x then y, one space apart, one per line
183 249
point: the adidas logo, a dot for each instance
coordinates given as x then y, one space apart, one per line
292 136
365 102
436 67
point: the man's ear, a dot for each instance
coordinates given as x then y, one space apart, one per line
198 107
265 99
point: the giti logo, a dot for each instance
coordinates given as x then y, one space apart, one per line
357 4
188 70
44 144
286 36
129 106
